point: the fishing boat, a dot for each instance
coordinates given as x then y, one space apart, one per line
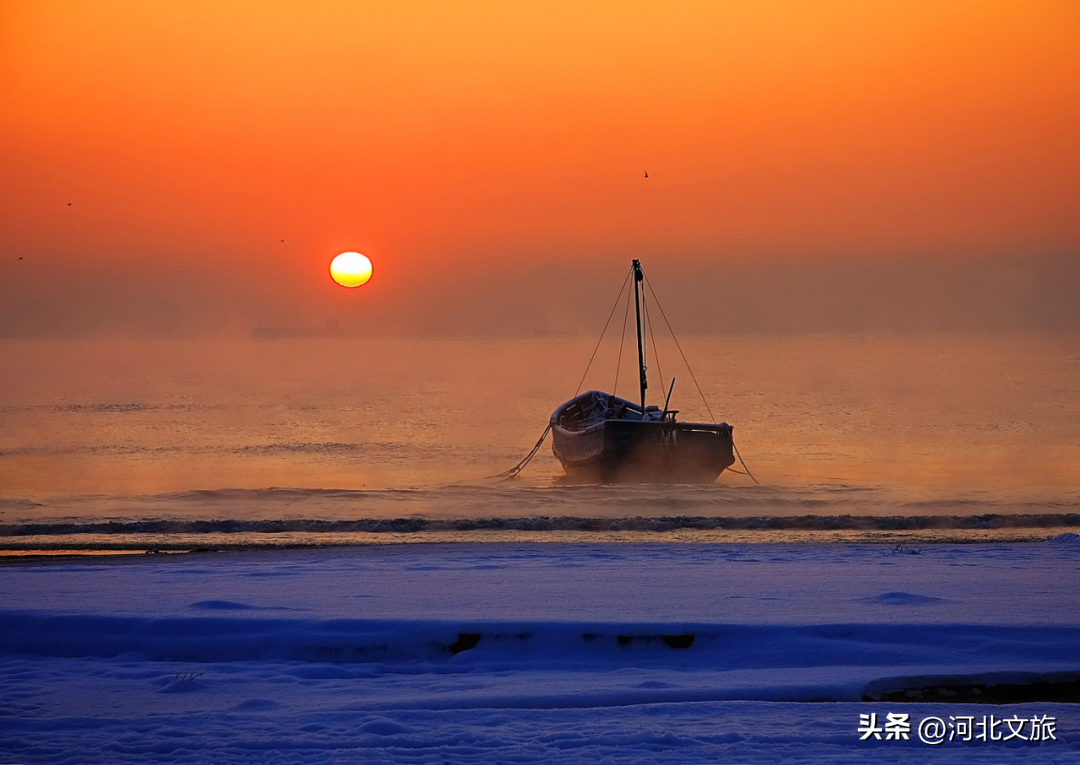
599 436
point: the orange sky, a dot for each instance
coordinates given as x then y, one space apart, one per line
193 137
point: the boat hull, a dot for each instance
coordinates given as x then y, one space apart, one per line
639 450
656 452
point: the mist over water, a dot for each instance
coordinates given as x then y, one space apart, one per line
533 292
344 429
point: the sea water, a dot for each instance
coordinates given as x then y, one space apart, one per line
128 443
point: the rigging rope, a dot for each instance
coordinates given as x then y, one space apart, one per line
688 368
616 305
652 336
506 475
622 342
693 376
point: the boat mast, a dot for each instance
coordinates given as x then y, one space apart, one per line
638 277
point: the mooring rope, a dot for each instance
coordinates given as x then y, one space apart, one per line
506 475
733 446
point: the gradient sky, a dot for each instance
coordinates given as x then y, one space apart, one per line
460 144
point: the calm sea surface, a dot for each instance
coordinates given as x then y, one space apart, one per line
133 444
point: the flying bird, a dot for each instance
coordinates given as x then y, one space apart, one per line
646 173
69 204
20 257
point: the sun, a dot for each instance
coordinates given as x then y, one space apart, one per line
350 269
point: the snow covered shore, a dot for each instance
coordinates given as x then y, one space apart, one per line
530 653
